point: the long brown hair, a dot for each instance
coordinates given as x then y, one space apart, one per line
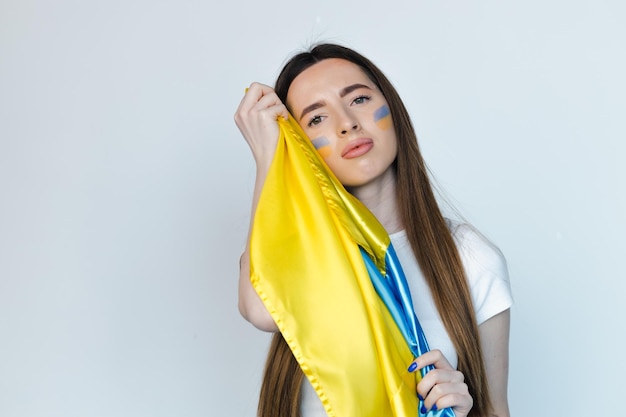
282 380
427 231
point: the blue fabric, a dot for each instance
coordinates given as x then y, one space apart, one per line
394 291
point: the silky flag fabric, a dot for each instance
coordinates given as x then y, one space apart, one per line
306 265
393 289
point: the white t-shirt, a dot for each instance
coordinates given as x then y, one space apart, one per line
487 274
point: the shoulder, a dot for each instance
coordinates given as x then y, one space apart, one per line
477 252
485 268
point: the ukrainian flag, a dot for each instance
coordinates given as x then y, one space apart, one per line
327 273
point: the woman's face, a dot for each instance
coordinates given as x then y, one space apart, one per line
347 118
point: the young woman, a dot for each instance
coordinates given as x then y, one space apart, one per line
337 95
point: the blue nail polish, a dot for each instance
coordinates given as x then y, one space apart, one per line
420 397
412 367
434 407
423 409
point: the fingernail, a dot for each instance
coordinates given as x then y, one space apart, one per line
423 409
434 407
412 367
420 397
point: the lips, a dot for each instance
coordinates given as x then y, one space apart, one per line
357 147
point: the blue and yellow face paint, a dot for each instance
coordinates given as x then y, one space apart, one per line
382 117
322 145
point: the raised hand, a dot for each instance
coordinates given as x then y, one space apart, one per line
256 119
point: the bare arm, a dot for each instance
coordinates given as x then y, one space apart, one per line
494 334
251 306
256 119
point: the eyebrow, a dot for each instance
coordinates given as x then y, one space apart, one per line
344 92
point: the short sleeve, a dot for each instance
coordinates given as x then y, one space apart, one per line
486 270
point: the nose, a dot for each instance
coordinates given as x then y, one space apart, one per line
354 127
348 123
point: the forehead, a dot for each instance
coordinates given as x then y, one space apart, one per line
323 78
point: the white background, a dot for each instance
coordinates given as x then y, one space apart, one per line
125 187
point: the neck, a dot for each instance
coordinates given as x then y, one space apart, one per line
380 198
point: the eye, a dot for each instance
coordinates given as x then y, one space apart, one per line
361 99
315 120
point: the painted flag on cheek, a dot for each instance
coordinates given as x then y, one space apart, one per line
327 273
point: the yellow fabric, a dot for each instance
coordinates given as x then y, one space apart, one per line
307 268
